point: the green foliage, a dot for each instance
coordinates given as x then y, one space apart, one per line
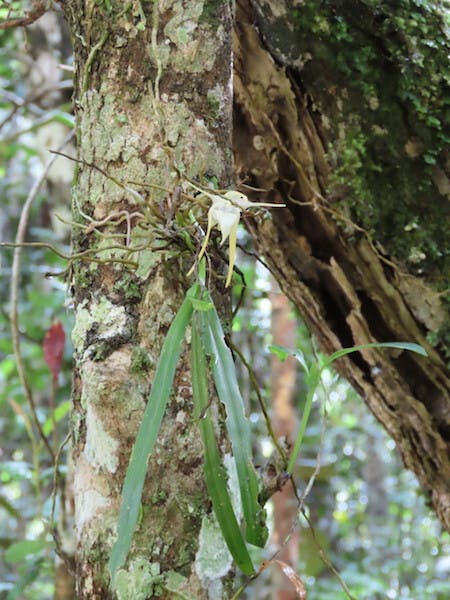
20 550
381 77
207 340
215 475
368 512
26 475
313 379
223 369
377 555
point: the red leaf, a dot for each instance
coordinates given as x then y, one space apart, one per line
54 347
298 584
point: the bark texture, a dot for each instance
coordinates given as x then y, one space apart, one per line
153 98
326 120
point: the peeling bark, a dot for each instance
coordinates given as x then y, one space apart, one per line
346 286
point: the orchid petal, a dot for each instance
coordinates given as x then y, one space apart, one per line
211 224
232 254
205 242
226 216
225 212
244 203
238 199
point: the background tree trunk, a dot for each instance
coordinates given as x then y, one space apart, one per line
340 113
283 377
152 96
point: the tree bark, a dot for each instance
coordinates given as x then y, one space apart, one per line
331 117
152 99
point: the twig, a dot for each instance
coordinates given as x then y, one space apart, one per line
255 386
325 559
20 103
80 255
49 117
90 60
38 10
242 294
53 527
14 296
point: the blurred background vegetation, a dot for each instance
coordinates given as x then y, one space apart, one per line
370 522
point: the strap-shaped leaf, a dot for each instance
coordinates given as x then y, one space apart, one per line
215 475
238 427
147 434
312 381
400 345
313 375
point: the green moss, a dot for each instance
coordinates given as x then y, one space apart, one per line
213 98
101 351
210 10
84 276
129 289
141 362
159 497
381 78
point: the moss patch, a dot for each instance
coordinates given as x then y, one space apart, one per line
381 78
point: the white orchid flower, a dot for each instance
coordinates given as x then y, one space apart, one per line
225 212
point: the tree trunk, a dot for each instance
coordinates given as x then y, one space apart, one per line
339 112
152 99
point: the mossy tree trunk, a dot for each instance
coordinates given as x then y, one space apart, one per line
340 112
152 100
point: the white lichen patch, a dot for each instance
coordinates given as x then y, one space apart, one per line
108 382
93 500
100 448
233 484
140 581
213 559
88 505
193 53
108 319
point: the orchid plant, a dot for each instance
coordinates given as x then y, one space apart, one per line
225 213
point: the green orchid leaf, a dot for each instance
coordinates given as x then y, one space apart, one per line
313 379
282 353
201 305
147 434
238 427
400 345
215 474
